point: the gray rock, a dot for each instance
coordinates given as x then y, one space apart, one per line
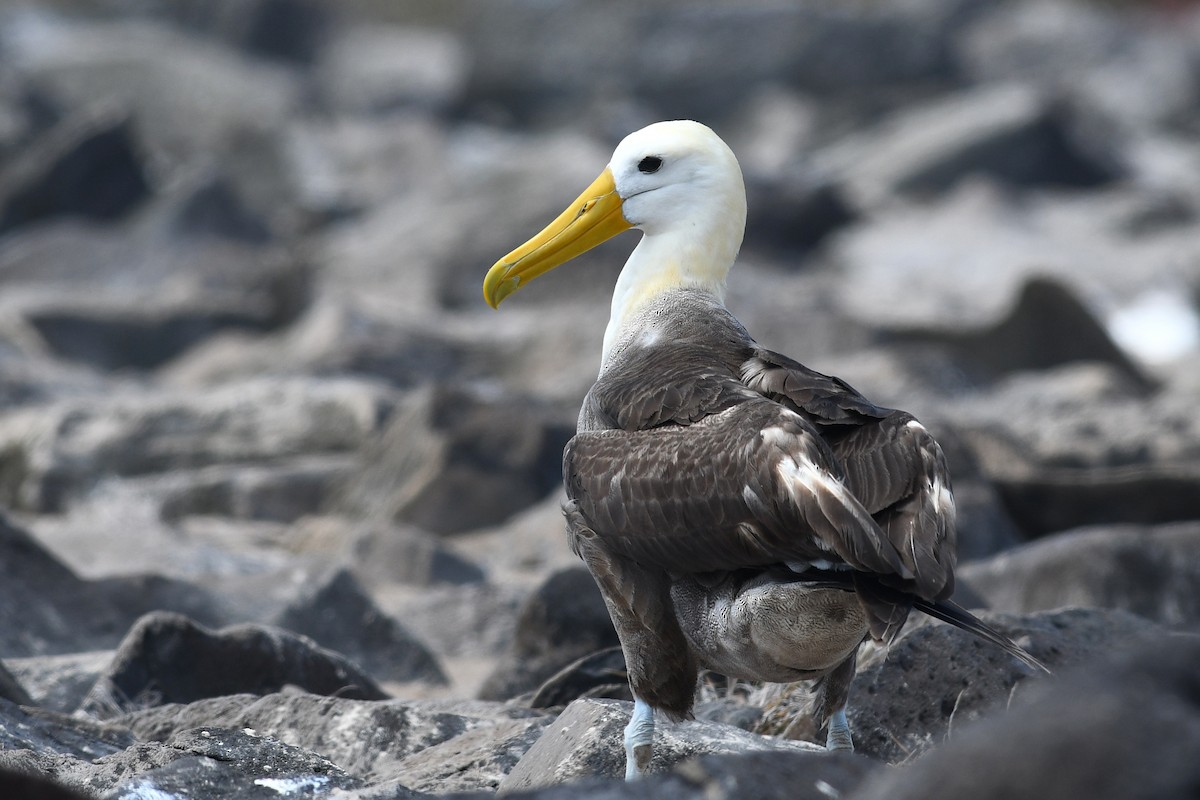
1046 327
50 610
368 740
1075 446
655 54
167 658
476 760
475 622
1123 728
338 614
386 554
1151 571
233 763
60 451
11 688
276 492
140 65
376 68
564 619
908 698
293 31
452 460
88 166
59 683
587 741
728 776
1007 132
335 338
902 267
35 787
31 737
602 674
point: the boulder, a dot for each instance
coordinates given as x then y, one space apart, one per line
564 619
274 492
1010 133
35 787
227 763
141 65
586 741
291 31
59 682
338 614
1123 727
167 658
57 453
50 610
369 740
389 554
1047 326
909 698
379 69
88 167
452 460
1151 571
11 688
1078 445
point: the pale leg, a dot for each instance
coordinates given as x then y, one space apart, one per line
639 740
839 732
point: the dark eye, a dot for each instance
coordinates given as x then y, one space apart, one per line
649 164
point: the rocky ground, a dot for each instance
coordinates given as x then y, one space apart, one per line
281 493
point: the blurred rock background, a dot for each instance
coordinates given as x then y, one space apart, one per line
267 459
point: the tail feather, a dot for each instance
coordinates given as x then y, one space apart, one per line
952 613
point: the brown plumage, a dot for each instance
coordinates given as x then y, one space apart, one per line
738 510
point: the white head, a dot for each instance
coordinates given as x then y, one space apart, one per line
677 182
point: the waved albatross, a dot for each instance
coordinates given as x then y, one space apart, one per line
739 511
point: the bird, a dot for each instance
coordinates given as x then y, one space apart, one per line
739 511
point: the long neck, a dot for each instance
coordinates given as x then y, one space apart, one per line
673 259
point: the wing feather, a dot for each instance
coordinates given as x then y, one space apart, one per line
770 491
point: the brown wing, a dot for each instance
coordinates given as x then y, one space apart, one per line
686 385
824 399
892 464
751 485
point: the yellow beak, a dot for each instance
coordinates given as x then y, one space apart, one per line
594 217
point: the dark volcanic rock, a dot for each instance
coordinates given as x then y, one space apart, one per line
338 614
907 698
35 740
289 30
666 55
86 167
1009 133
1129 728
1150 571
564 619
599 674
1077 445
35 787
1052 500
11 689
167 658
366 739
1047 326
135 434
402 554
234 763
54 611
452 460
586 741
59 682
